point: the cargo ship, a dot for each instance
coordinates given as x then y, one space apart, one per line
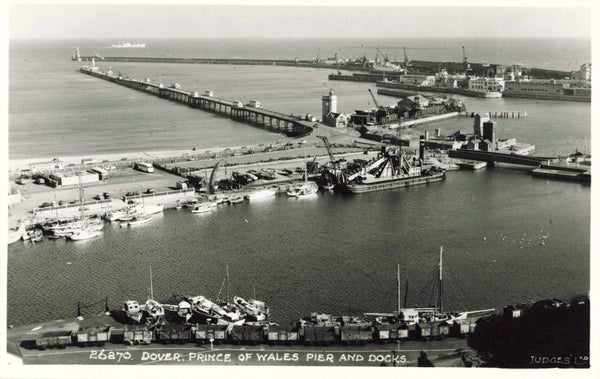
392 170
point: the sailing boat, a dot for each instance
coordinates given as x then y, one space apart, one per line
305 189
412 316
86 230
155 311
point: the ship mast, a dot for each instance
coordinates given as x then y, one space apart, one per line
440 288
399 298
227 281
151 288
81 199
305 170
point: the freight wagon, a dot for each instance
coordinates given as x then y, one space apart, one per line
319 331
211 333
174 334
356 334
60 339
247 334
390 333
460 328
93 336
137 335
432 330
282 335
318 335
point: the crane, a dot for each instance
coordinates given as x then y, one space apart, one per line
404 48
333 173
374 100
209 185
466 64
328 147
406 61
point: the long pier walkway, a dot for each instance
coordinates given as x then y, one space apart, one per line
292 126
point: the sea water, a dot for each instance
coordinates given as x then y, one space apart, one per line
507 237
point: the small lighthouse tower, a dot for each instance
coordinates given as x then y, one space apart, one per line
76 56
329 103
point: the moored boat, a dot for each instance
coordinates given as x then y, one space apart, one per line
307 188
204 207
392 170
236 200
115 215
472 165
253 308
15 235
139 220
412 316
154 310
261 194
35 235
84 234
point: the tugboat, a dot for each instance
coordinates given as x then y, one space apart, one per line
392 170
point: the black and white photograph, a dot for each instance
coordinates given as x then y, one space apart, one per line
327 188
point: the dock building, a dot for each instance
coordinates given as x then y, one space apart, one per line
548 89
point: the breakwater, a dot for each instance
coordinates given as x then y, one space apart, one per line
290 125
228 61
416 66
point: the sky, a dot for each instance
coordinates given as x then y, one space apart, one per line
121 21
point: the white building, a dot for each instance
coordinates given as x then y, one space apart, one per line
486 84
418 80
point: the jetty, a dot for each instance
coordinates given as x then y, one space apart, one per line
292 126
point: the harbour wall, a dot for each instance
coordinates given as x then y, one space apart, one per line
416 66
547 97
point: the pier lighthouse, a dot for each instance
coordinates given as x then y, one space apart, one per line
329 103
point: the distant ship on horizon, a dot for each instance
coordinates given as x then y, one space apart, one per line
129 45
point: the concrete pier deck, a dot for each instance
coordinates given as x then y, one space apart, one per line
290 125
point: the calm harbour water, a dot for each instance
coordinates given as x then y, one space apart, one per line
507 237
